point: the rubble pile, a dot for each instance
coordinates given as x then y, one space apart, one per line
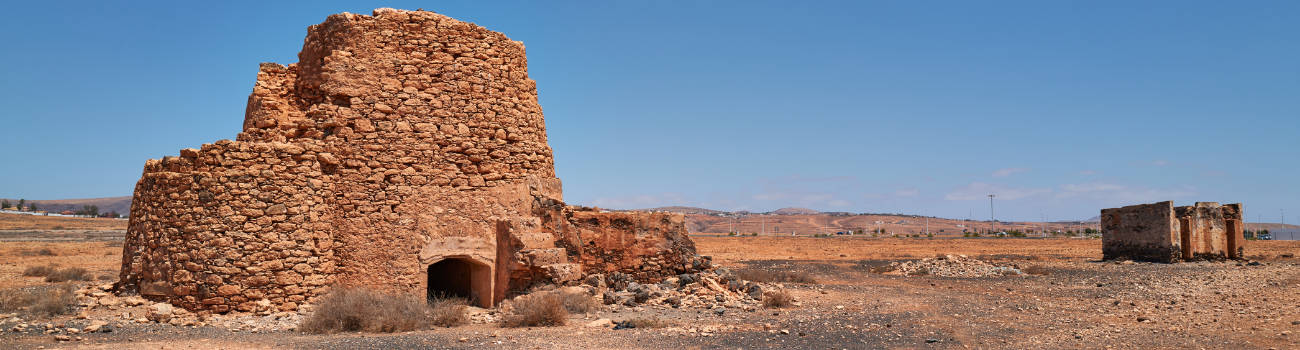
718 290
101 311
951 266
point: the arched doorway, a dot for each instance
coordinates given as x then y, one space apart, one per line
459 277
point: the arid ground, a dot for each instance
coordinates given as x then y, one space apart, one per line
1065 298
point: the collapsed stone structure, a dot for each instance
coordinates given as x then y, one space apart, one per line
405 151
1163 233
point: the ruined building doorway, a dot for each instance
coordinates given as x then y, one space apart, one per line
458 277
1232 230
1185 231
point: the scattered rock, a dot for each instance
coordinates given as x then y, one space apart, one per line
601 323
951 266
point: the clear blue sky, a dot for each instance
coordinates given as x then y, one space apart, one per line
1060 108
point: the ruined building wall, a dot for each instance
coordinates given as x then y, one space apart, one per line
1208 230
397 141
229 224
1164 233
1140 232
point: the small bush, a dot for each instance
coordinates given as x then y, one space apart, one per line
577 301
45 252
537 309
364 310
448 312
106 277
759 275
38 271
68 274
38 301
777 299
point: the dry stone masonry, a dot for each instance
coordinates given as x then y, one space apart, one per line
405 151
1160 232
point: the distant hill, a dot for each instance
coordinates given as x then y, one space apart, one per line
1270 226
121 205
685 210
1094 219
795 211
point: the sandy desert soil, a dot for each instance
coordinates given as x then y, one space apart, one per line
1067 299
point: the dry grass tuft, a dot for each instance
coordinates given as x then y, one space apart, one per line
38 271
761 275
777 299
448 312
38 301
68 274
537 309
364 310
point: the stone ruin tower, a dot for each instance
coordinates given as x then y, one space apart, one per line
405 151
1161 232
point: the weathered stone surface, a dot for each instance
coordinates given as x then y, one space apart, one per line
1162 233
403 142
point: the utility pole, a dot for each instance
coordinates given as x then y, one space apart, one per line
1043 226
992 221
764 226
927 225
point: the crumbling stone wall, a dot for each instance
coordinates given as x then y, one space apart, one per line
1160 232
399 140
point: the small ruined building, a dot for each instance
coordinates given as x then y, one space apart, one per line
1163 233
405 151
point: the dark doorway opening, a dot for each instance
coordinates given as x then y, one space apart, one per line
1185 231
450 278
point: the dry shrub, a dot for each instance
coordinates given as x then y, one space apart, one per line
777 298
364 310
577 301
760 275
537 309
448 312
38 301
38 271
45 252
106 277
68 274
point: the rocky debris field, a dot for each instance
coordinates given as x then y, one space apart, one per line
1061 300
950 266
